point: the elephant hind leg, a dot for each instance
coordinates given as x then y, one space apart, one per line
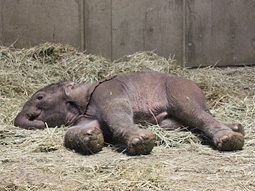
85 138
187 104
229 141
226 137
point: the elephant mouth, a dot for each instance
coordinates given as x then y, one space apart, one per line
33 116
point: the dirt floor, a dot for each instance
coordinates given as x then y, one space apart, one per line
181 160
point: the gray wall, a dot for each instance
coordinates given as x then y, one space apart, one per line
30 22
197 32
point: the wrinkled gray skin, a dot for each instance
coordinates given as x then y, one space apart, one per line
111 109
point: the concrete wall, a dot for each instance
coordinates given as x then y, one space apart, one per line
197 32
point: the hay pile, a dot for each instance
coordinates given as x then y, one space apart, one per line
37 160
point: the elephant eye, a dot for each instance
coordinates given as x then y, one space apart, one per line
39 97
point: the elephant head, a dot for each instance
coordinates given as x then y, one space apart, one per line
56 104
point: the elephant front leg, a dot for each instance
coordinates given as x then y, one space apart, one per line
140 141
85 137
118 116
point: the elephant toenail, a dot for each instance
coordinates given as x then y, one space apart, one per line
224 138
239 126
143 136
136 141
90 131
86 139
236 128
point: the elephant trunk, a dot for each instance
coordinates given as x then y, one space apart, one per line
27 121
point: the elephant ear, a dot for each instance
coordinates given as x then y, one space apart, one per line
81 97
69 88
77 96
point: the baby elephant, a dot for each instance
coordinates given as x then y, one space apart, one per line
110 109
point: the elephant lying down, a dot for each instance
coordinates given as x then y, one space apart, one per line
110 109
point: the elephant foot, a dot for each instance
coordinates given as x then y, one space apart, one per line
237 127
86 140
141 144
229 141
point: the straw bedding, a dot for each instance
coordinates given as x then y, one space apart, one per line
37 160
